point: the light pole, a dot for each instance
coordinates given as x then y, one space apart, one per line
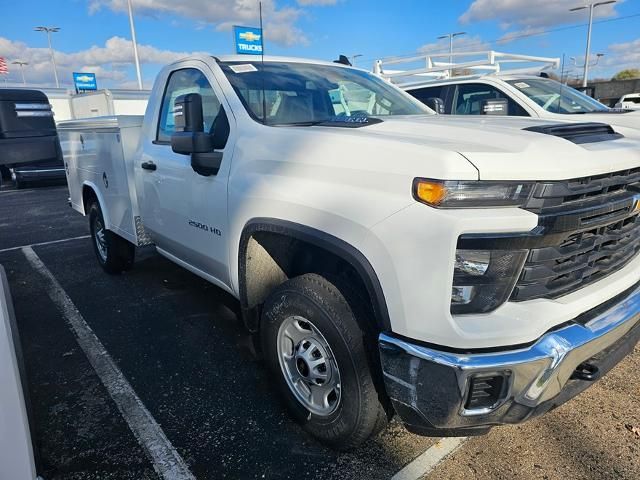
49 31
22 64
451 36
590 6
598 57
135 44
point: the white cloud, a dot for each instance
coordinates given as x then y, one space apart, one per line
469 43
519 34
110 62
531 13
279 23
619 56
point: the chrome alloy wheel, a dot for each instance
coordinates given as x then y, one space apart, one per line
99 234
309 366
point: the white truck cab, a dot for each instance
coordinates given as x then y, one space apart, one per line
484 87
461 274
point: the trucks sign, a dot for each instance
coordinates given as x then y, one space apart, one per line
85 81
248 40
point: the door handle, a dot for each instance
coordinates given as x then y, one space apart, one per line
149 166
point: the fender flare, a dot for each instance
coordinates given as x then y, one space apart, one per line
326 241
101 202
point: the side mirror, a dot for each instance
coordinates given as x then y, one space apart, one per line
496 106
436 104
190 137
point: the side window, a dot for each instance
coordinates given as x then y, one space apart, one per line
423 94
181 82
469 97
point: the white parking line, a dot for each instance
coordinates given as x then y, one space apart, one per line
166 461
44 243
426 462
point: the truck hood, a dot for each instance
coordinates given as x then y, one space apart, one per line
501 149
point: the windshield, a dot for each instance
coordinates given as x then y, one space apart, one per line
308 94
557 98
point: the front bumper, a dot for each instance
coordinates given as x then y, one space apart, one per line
430 388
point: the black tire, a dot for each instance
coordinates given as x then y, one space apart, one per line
117 254
359 414
19 184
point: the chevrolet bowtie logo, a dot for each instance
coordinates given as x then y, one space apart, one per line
84 78
249 36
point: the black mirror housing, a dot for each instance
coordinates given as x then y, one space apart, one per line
436 104
186 143
495 106
187 113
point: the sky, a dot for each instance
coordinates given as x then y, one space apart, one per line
95 36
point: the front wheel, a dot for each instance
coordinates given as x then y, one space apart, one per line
114 253
315 347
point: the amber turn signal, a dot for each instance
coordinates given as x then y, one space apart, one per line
429 192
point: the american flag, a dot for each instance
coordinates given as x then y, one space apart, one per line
3 66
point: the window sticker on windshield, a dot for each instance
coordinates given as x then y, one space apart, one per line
522 85
244 68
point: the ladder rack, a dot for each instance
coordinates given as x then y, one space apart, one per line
488 61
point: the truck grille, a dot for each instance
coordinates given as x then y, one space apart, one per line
590 228
582 258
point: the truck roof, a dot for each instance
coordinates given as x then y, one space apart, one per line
259 58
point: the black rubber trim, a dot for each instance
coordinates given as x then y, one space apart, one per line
579 133
322 240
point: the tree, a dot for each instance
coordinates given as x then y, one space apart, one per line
627 74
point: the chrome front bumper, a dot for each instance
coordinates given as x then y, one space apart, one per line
430 388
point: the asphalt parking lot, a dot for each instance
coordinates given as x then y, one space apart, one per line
179 344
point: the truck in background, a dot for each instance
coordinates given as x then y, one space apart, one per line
460 274
29 144
630 101
481 86
22 168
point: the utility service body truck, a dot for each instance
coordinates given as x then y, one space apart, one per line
461 274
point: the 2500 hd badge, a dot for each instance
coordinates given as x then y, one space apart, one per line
205 227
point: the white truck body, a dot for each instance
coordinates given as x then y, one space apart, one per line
350 190
509 83
16 448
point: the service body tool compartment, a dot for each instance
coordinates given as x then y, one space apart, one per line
95 153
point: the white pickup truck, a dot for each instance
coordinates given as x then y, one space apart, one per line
484 88
461 274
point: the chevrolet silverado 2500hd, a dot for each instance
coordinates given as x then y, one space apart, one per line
462 274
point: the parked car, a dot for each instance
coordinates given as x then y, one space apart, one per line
461 274
17 461
629 102
486 88
29 144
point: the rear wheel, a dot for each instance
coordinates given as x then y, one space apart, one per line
315 349
114 253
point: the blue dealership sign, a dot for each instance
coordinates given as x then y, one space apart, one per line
85 81
248 40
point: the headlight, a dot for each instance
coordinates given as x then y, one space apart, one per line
470 194
484 279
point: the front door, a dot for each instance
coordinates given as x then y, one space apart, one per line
185 212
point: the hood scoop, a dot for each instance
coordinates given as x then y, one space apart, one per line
579 133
